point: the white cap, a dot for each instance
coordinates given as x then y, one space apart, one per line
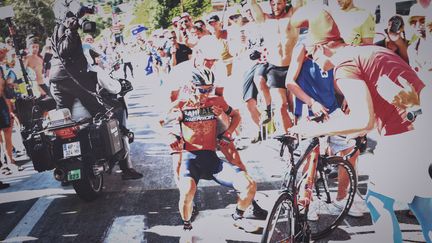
209 47
61 7
418 10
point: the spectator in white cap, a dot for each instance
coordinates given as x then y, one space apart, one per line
186 24
421 43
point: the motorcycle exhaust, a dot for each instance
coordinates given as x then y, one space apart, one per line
59 174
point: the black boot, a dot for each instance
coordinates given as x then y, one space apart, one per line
131 174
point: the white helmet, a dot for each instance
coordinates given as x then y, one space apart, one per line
202 76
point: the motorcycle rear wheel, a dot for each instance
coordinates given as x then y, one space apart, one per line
90 186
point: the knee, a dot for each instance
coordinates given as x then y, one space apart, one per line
187 191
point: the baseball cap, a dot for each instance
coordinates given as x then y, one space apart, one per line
417 10
175 19
184 15
213 18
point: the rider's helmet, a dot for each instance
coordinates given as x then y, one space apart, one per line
202 80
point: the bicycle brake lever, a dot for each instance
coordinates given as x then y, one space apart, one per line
282 150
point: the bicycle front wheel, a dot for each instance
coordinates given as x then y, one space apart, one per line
332 196
281 222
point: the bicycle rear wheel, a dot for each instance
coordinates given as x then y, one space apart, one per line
326 210
281 222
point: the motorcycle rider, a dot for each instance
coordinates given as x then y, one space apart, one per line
70 77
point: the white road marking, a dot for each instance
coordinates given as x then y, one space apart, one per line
27 223
127 229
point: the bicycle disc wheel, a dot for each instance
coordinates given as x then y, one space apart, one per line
326 210
281 224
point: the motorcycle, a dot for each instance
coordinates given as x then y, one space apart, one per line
79 151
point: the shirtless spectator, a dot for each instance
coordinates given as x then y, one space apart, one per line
280 38
35 62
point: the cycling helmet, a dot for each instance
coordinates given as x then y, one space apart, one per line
202 77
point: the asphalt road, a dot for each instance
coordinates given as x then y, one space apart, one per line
37 209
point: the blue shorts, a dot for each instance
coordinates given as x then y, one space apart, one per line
207 165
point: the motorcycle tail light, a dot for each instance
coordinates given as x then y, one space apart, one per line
66 133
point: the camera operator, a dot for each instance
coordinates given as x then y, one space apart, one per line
395 37
69 77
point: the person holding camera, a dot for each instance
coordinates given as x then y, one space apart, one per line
395 39
69 77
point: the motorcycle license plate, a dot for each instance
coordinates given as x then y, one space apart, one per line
71 149
74 175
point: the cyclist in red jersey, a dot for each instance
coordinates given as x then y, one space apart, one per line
198 141
380 89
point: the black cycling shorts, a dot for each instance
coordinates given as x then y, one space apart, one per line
250 90
276 76
207 165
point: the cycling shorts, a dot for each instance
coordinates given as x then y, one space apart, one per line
205 164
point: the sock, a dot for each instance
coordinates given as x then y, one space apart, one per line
255 204
238 214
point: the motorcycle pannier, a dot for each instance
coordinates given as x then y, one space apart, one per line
105 139
39 149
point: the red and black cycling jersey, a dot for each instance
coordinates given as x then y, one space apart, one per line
199 123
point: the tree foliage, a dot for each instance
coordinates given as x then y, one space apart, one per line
31 17
156 14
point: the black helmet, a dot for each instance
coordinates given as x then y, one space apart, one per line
202 77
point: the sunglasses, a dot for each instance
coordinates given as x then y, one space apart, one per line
234 17
205 91
184 22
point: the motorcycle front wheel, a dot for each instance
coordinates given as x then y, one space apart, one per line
90 186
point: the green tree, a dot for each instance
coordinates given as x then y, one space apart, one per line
156 14
31 17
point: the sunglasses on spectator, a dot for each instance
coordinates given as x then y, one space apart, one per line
185 21
172 37
234 17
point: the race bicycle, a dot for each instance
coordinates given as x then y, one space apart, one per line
308 206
